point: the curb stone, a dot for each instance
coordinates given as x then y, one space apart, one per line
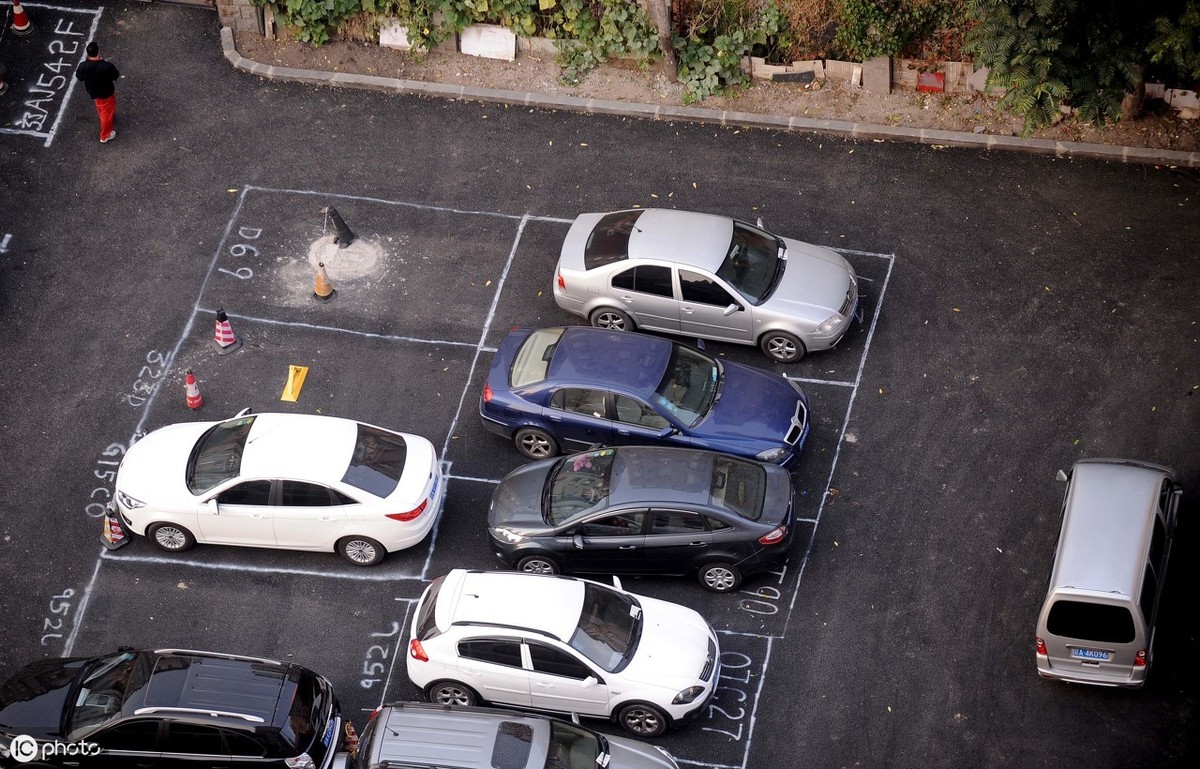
1062 149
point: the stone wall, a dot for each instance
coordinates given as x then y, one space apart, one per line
240 16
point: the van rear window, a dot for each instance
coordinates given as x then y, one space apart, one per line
1091 622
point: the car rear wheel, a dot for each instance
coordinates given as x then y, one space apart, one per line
782 346
535 443
170 537
537 564
611 318
720 577
451 693
361 551
642 720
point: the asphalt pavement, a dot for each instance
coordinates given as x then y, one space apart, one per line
1023 311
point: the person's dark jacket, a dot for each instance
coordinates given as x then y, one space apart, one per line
98 77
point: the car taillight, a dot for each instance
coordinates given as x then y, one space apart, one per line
562 283
487 393
1140 660
772 537
411 514
1041 647
416 651
302 761
374 713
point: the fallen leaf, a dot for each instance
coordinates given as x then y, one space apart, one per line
182 586
488 283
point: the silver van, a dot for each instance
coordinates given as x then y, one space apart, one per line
1097 622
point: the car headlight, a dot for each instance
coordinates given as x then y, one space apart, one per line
128 502
771 455
509 534
830 324
688 695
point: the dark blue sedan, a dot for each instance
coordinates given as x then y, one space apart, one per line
556 389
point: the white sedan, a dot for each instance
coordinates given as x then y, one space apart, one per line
286 481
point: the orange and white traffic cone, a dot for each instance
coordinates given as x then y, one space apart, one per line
322 289
224 340
114 535
194 401
20 19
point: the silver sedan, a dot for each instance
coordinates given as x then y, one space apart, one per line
706 276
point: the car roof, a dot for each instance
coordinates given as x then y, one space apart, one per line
307 446
661 474
424 734
230 684
1107 524
615 360
541 603
686 237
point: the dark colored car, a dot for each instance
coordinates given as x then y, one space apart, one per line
170 708
645 510
575 387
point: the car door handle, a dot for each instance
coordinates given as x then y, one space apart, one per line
627 547
544 686
688 310
328 517
627 299
258 515
697 544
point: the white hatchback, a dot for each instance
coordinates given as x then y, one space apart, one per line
562 645
286 481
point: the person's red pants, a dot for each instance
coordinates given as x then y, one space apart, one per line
106 108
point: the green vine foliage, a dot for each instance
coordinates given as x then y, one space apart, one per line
589 34
313 19
870 28
718 36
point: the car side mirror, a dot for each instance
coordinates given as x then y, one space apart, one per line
1060 476
587 683
759 222
667 432
578 541
617 582
731 309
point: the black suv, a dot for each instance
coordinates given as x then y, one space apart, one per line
168 708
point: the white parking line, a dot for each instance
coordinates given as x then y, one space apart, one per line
374 574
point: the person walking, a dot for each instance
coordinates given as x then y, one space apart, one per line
99 78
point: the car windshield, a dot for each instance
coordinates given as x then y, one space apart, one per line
572 747
217 456
608 241
753 265
308 717
378 461
533 359
609 627
578 484
690 385
738 486
102 693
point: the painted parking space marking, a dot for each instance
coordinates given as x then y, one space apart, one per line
41 68
266 228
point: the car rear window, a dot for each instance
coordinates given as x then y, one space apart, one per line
378 461
427 617
609 239
1088 621
580 483
217 456
533 358
738 486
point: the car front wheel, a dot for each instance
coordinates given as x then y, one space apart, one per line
782 346
720 577
612 319
451 693
537 564
170 537
642 720
361 551
535 443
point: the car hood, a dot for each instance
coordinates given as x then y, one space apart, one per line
32 701
814 283
157 463
630 754
756 407
517 501
673 647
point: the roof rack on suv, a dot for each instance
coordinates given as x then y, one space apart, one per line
243 657
200 712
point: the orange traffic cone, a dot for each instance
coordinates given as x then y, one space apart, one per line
20 19
322 288
224 341
194 401
114 535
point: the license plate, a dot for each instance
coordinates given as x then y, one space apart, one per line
433 490
1095 655
327 737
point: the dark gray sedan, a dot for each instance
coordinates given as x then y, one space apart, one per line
645 510
705 276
